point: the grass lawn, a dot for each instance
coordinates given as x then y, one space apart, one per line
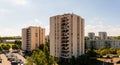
100 59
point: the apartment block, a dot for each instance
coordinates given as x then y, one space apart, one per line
96 44
102 40
91 35
66 36
103 35
32 37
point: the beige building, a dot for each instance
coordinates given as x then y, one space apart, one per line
32 37
66 36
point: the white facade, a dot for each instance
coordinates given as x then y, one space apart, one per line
66 36
106 43
103 35
91 35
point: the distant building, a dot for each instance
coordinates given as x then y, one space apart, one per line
11 39
32 37
47 38
66 36
96 44
91 35
103 35
102 40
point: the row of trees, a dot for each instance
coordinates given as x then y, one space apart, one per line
102 51
18 43
41 57
7 47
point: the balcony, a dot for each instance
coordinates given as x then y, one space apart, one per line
65 51
65 30
65 41
64 55
64 44
65 37
65 48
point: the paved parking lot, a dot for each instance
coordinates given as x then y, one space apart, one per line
4 60
21 57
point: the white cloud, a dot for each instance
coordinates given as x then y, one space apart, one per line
9 32
37 22
16 2
97 25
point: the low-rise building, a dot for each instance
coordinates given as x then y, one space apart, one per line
96 44
102 40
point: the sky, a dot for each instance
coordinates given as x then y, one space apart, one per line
99 15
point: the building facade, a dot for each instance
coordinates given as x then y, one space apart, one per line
66 36
96 44
103 35
102 40
91 35
32 37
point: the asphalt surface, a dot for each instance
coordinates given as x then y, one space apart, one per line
6 62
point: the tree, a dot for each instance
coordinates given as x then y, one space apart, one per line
0 48
41 47
104 52
118 52
112 51
91 53
40 58
51 60
83 60
5 47
102 48
15 47
118 37
18 43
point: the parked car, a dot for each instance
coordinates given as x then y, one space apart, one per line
14 63
0 60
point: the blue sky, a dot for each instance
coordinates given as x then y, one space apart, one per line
99 15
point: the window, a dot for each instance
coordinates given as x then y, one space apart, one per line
36 34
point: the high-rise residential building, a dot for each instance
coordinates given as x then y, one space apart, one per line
32 37
66 36
91 35
103 35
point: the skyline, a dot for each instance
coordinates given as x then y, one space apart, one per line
99 15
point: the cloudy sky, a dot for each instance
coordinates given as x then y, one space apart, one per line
99 15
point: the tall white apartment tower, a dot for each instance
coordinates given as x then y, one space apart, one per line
66 36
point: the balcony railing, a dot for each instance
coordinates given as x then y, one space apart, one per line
64 44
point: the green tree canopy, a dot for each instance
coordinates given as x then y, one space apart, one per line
5 47
118 52
15 47
41 57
